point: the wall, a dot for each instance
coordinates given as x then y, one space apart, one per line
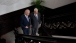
56 3
19 4
9 6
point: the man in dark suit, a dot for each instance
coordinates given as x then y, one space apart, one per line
35 21
25 22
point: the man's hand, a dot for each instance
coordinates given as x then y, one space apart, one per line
39 25
26 26
30 26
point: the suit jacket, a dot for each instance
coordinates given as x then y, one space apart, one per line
24 22
34 20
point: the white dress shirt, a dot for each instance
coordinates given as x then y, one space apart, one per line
27 18
36 15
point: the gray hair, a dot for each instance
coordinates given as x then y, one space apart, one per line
35 9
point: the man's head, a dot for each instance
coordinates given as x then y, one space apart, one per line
27 12
35 10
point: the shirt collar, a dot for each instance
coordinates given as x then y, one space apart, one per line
35 14
26 16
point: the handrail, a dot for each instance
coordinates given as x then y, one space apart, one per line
37 38
65 37
47 38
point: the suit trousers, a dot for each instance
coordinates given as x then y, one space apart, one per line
26 31
34 30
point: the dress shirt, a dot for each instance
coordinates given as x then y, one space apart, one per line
27 18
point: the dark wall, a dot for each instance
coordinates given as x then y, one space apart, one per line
61 10
65 9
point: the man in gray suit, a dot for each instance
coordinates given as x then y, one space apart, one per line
35 21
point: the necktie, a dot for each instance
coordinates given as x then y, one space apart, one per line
36 16
27 18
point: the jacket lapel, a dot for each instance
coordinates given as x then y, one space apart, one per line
26 18
35 17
